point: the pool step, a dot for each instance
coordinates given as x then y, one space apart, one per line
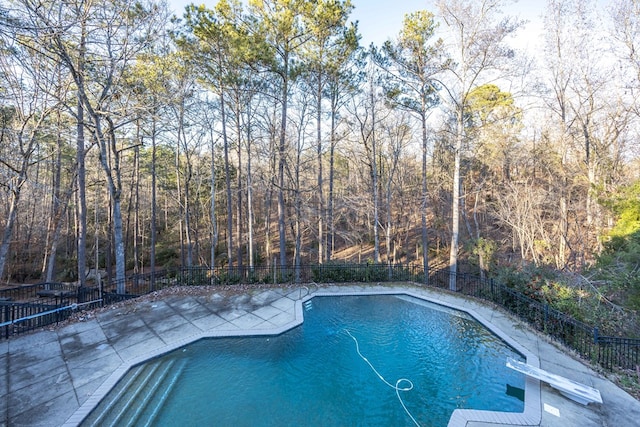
142 392
165 392
111 403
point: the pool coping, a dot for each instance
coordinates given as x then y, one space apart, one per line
531 416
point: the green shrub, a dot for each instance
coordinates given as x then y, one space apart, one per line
617 266
527 279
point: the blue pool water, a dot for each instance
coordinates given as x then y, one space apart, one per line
331 371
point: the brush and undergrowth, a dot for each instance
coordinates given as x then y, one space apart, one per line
607 294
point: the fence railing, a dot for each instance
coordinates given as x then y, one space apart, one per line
31 307
609 352
26 308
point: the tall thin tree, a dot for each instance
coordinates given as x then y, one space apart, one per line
478 50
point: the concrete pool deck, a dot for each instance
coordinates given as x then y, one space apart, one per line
55 377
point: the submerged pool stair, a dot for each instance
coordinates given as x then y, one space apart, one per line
138 398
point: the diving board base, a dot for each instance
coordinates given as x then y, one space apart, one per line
573 390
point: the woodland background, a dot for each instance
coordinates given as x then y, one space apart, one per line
263 133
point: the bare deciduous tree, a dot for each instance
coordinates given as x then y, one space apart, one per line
26 105
478 50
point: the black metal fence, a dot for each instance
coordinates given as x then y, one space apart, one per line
25 308
31 307
611 353
142 284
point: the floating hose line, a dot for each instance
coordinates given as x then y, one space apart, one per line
396 387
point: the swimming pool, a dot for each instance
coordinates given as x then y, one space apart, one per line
331 370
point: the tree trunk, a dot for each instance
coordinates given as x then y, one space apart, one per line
455 207
330 224
239 178
297 225
56 210
80 160
119 243
213 237
9 225
111 166
269 197
137 261
131 211
321 244
154 204
82 199
374 182
227 181
187 213
180 204
282 147
387 232
249 195
425 198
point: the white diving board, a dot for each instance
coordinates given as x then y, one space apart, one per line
573 390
